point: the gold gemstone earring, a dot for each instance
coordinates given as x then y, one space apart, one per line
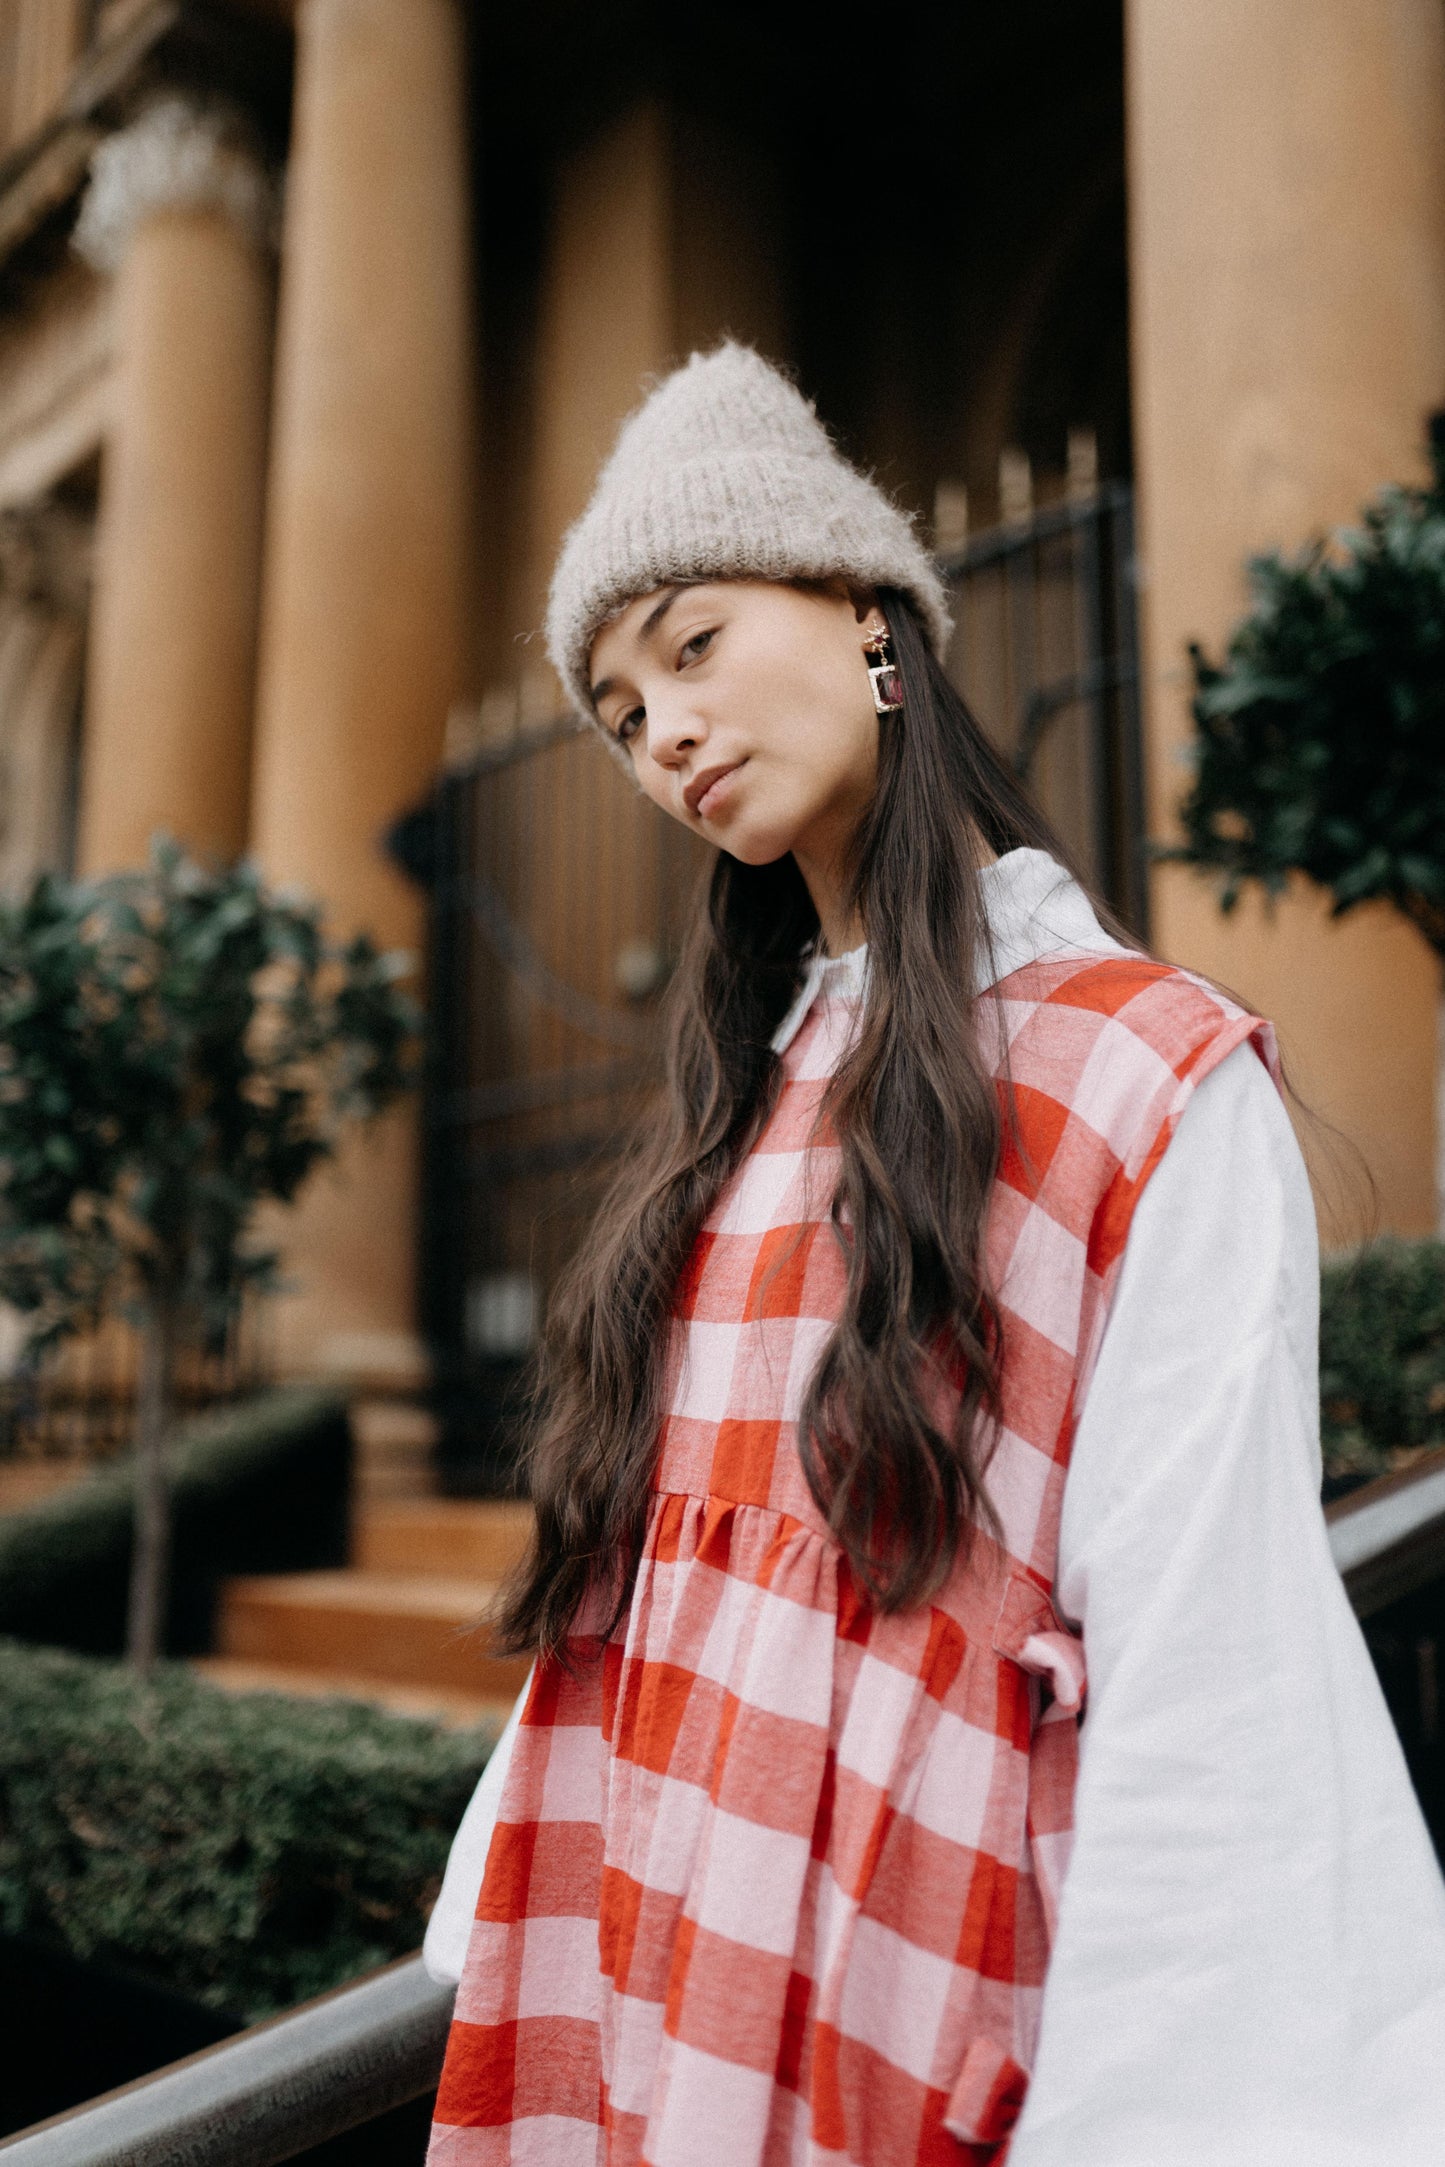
883 673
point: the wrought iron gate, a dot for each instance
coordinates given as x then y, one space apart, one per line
558 902
1045 650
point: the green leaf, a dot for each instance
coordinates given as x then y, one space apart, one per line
1320 735
154 1069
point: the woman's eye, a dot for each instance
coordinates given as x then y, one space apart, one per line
697 645
630 724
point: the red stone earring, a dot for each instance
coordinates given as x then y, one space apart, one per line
883 672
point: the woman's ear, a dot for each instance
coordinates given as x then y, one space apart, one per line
863 599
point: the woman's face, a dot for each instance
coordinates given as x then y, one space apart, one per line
747 713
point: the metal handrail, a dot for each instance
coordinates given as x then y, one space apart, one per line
340 2061
279 2088
1388 1537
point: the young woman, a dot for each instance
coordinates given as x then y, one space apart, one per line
948 1736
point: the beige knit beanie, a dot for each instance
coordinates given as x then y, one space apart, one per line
726 472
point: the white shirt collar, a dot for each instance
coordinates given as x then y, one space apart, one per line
846 979
1033 907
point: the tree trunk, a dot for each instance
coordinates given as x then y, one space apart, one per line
150 1554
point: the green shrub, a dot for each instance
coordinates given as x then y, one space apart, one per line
258 1487
247 1851
1382 1354
1318 737
179 1046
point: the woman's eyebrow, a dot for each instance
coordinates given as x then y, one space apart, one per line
655 616
649 625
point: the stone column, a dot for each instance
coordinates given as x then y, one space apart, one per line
180 211
1287 202
662 235
366 569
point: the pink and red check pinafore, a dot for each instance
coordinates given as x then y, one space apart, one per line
774 1879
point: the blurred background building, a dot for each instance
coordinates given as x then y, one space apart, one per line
316 319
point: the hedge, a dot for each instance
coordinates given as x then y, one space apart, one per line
248 1850
1382 1355
259 1487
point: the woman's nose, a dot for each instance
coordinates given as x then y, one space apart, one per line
674 731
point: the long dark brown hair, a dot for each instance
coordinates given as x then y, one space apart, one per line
896 1464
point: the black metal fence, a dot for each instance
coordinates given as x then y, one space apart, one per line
1045 648
559 896
76 1401
558 901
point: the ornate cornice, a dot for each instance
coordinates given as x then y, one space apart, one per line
178 155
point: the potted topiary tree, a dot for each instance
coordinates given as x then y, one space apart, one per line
177 1047
1320 742
1321 737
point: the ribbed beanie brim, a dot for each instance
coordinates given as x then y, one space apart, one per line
726 472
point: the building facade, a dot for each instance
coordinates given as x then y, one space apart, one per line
316 319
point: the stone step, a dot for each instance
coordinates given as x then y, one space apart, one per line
395 1444
460 1711
410 1628
451 1536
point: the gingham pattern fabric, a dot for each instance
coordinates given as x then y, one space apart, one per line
774 1877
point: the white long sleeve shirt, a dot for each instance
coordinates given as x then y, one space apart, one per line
1249 1968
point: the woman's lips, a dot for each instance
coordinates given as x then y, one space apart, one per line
707 793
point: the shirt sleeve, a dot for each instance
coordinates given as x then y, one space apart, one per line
449 1928
1250 1957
